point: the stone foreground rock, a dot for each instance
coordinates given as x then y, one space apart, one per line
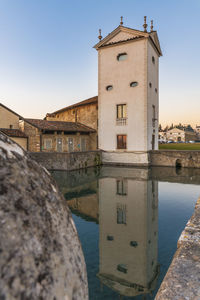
40 253
182 281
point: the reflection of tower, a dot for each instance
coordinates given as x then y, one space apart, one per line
128 234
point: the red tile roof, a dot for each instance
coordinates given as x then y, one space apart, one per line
13 132
59 126
84 102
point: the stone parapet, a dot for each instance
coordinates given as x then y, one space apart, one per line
173 158
67 161
182 280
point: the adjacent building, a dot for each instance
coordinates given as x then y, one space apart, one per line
9 125
58 136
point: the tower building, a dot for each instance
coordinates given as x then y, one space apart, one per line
128 94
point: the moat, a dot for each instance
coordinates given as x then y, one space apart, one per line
129 221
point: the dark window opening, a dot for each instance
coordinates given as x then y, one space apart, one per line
122 268
121 141
110 238
153 59
150 85
109 87
133 84
121 187
122 56
121 214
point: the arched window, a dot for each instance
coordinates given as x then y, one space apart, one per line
109 87
122 56
133 84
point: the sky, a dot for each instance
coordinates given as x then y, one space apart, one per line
47 59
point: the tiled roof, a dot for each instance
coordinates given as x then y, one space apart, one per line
13 132
84 102
59 125
122 41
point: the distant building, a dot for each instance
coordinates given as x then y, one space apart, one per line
197 130
178 135
58 136
9 125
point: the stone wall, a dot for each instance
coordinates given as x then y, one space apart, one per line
171 158
85 114
182 280
67 161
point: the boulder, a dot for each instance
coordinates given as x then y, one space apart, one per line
40 252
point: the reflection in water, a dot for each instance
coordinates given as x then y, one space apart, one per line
124 202
128 234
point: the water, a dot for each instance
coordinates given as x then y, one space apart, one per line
129 221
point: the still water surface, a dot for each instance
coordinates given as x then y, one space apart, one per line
129 221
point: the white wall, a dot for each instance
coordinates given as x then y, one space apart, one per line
120 74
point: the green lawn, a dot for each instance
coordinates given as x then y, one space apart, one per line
181 146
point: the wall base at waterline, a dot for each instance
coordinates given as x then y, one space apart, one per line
132 158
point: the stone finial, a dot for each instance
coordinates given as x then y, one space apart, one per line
151 25
145 24
100 36
121 23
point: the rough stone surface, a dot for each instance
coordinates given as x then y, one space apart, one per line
182 281
40 253
67 161
168 158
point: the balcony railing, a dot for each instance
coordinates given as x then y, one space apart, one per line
121 121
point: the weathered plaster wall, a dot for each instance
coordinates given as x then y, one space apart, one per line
123 73
152 96
183 276
67 161
7 118
129 158
168 158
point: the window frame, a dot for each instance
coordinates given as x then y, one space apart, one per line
45 143
123 54
118 144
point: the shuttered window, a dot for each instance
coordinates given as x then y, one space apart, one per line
121 142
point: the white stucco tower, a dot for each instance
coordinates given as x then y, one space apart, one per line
128 65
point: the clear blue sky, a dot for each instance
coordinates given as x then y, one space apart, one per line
47 61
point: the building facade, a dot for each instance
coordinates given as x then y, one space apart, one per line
128 62
177 135
9 125
58 136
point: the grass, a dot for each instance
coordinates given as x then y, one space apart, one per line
181 146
